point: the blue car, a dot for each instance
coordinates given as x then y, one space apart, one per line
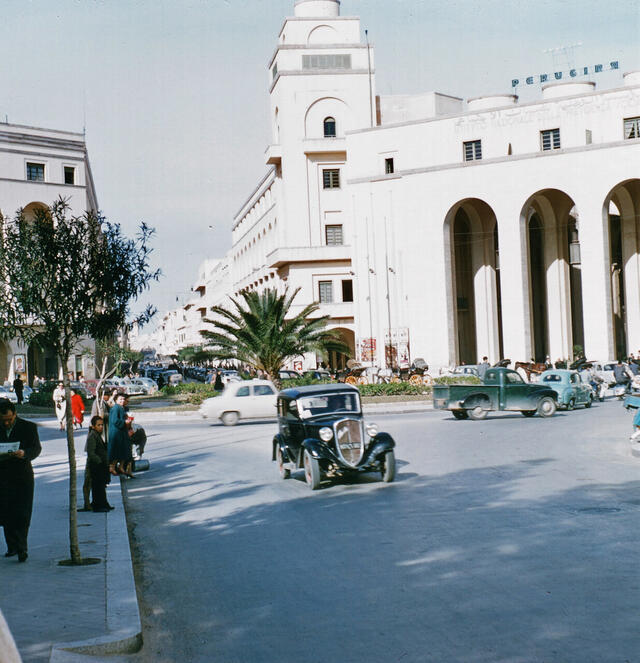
569 386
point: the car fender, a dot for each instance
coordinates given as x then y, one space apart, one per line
378 445
278 441
317 449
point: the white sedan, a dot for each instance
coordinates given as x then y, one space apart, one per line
247 399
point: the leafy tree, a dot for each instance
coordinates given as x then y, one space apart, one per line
260 331
68 278
193 354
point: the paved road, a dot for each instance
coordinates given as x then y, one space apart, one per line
509 540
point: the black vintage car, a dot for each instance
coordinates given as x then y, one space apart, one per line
322 431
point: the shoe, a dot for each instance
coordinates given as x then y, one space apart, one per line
101 510
11 553
85 508
111 508
22 556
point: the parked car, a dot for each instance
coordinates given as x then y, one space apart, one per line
604 369
172 377
8 394
286 374
147 385
318 374
230 375
569 386
503 389
246 399
321 429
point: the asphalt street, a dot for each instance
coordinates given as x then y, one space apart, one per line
507 540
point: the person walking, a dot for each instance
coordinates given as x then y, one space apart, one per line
482 368
18 387
119 446
59 400
218 385
98 466
16 479
77 408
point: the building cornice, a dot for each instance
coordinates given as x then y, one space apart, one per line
33 182
42 141
321 72
628 142
45 155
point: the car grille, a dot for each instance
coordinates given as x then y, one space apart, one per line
350 440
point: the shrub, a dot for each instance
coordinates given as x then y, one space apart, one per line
302 382
190 392
458 379
393 389
42 397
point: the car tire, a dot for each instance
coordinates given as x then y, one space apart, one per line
389 467
230 418
571 404
283 471
460 414
311 471
589 401
546 407
477 413
528 413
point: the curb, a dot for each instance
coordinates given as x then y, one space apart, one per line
123 615
635 450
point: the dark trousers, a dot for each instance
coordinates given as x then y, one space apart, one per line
16 537
86 486
99 486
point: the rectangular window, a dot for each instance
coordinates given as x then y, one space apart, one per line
347 290
326 292
388 166
588 136
550 139
632 127
331 178
326 61
472 150
333 235
69 175
274 71
35 172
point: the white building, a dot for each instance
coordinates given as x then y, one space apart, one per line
36 167
501 229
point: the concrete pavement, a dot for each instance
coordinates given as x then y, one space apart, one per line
54 610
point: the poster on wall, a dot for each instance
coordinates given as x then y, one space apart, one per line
297 365
20 363
368 350
396 343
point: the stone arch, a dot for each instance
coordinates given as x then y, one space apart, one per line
473 282
323 34
29 211
621 213
550 224
338 360
327 107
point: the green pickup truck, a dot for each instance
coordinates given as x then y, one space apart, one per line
503 389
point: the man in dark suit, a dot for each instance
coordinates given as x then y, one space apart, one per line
18 387
16 479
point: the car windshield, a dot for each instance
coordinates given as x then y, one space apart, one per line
552 378
314 406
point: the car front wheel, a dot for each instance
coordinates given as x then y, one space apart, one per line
230 418
546 407
389 467
311 471
478 412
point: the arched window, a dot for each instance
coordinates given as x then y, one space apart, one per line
329 127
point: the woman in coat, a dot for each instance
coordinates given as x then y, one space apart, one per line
120 457
61 404
98 466
77 408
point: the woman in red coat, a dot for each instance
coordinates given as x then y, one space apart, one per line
77 409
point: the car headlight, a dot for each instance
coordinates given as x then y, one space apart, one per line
325 434
372 430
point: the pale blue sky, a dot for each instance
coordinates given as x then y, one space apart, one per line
173 93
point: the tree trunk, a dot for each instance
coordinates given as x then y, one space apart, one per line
74 548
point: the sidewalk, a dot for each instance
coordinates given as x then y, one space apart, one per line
92 609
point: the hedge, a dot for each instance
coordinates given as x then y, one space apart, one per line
190 392
393 389
458 379
41 397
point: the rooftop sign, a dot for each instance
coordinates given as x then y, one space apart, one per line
566 75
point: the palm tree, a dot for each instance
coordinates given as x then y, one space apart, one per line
259 332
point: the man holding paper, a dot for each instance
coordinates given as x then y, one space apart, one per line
19 445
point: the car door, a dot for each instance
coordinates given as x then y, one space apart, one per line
264 400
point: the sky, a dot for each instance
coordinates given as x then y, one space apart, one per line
173 94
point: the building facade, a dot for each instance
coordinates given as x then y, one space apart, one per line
37 166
